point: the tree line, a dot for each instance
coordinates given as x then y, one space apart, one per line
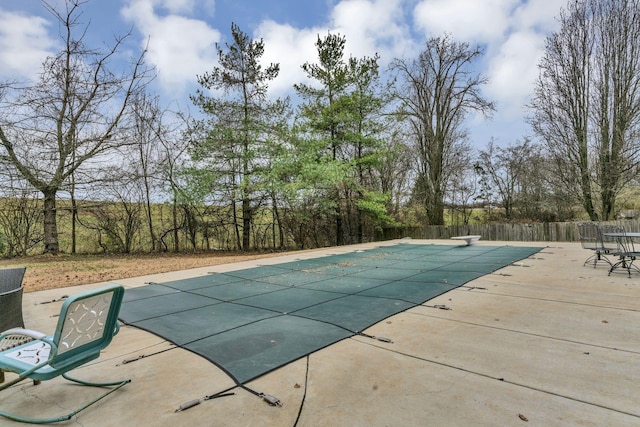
360 148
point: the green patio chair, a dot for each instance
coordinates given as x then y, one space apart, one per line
87 323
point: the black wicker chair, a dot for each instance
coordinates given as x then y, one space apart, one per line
592 237
11 298
11 307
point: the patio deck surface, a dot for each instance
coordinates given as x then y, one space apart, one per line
545 341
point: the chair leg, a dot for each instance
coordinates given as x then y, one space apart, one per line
596 257
622 262
631 265
588 260
35 382
116 385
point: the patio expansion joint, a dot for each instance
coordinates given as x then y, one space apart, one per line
531 334
502 380
559 301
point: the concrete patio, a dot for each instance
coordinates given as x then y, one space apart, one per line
543 342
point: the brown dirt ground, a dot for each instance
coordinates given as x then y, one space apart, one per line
57 271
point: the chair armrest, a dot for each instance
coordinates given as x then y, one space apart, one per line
17 336
24 332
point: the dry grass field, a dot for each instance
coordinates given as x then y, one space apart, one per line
56 271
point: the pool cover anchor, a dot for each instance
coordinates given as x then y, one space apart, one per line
373 337
471 288
142 356
271 400
438 306
196 402
62 298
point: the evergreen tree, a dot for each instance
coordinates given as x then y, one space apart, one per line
231 146
338 124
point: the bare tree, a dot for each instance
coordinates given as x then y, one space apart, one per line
148 128
437 91
616 96
174 174
561 102
70 116
586 105
20 216
394 172
507 172
118 216
463 189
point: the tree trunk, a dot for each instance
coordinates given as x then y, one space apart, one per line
246 223
276 218
74 222
608 171
154 246
147 193
435 210
434 202
360 226
236 226
359 219
587 198
176 236
339 227
51 244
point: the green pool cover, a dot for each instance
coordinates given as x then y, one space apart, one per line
250 322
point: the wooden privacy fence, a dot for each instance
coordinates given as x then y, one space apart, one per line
535 232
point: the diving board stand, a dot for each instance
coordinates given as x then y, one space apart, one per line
470 240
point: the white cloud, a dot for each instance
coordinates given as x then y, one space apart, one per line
180 47
24 45
466 20
182 44
513 33
372 26
369 26
513 60
539 15
513 70
178 6
290 47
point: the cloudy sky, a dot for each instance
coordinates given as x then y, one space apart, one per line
182 35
